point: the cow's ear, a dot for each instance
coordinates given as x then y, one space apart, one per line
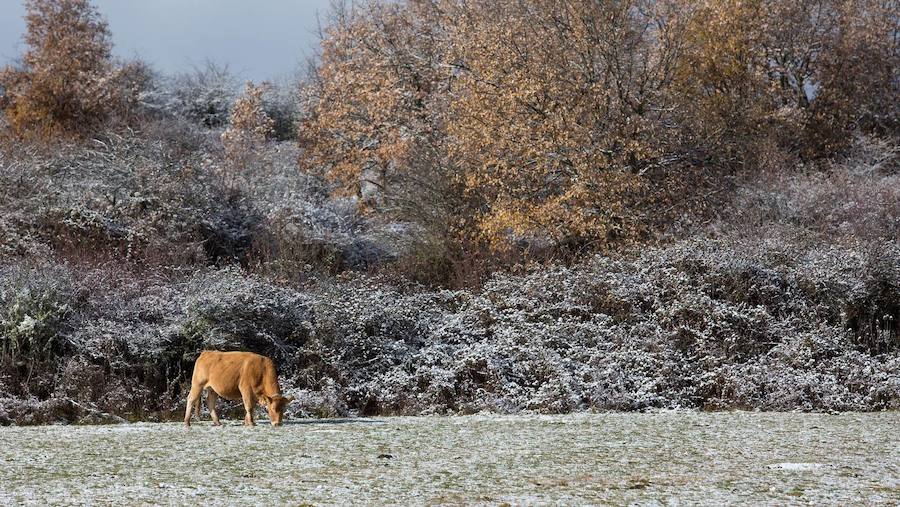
265 399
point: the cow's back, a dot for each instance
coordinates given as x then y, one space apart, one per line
224 372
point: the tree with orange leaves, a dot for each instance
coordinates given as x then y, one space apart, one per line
248 130
67 83
536 116
555 121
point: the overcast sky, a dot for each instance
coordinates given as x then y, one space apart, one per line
258 39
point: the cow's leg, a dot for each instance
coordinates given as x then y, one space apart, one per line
193 403
248 407
211 398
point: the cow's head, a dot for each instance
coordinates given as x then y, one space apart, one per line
275 406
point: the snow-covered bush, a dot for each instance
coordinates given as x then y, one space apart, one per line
36 304
119 195
203 96
227 310
148 200
698 324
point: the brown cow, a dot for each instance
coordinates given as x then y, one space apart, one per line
234 375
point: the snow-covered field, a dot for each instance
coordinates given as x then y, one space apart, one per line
657 458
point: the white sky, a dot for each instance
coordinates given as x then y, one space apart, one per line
258 39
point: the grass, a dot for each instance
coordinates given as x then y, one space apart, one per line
667 457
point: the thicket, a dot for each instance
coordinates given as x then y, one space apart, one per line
700 324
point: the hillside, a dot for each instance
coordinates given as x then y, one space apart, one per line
423 225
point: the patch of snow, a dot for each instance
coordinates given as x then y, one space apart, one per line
797 467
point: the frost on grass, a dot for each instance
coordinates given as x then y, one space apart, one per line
662 457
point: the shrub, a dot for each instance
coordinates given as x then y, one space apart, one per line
203 96
230 311
36 304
